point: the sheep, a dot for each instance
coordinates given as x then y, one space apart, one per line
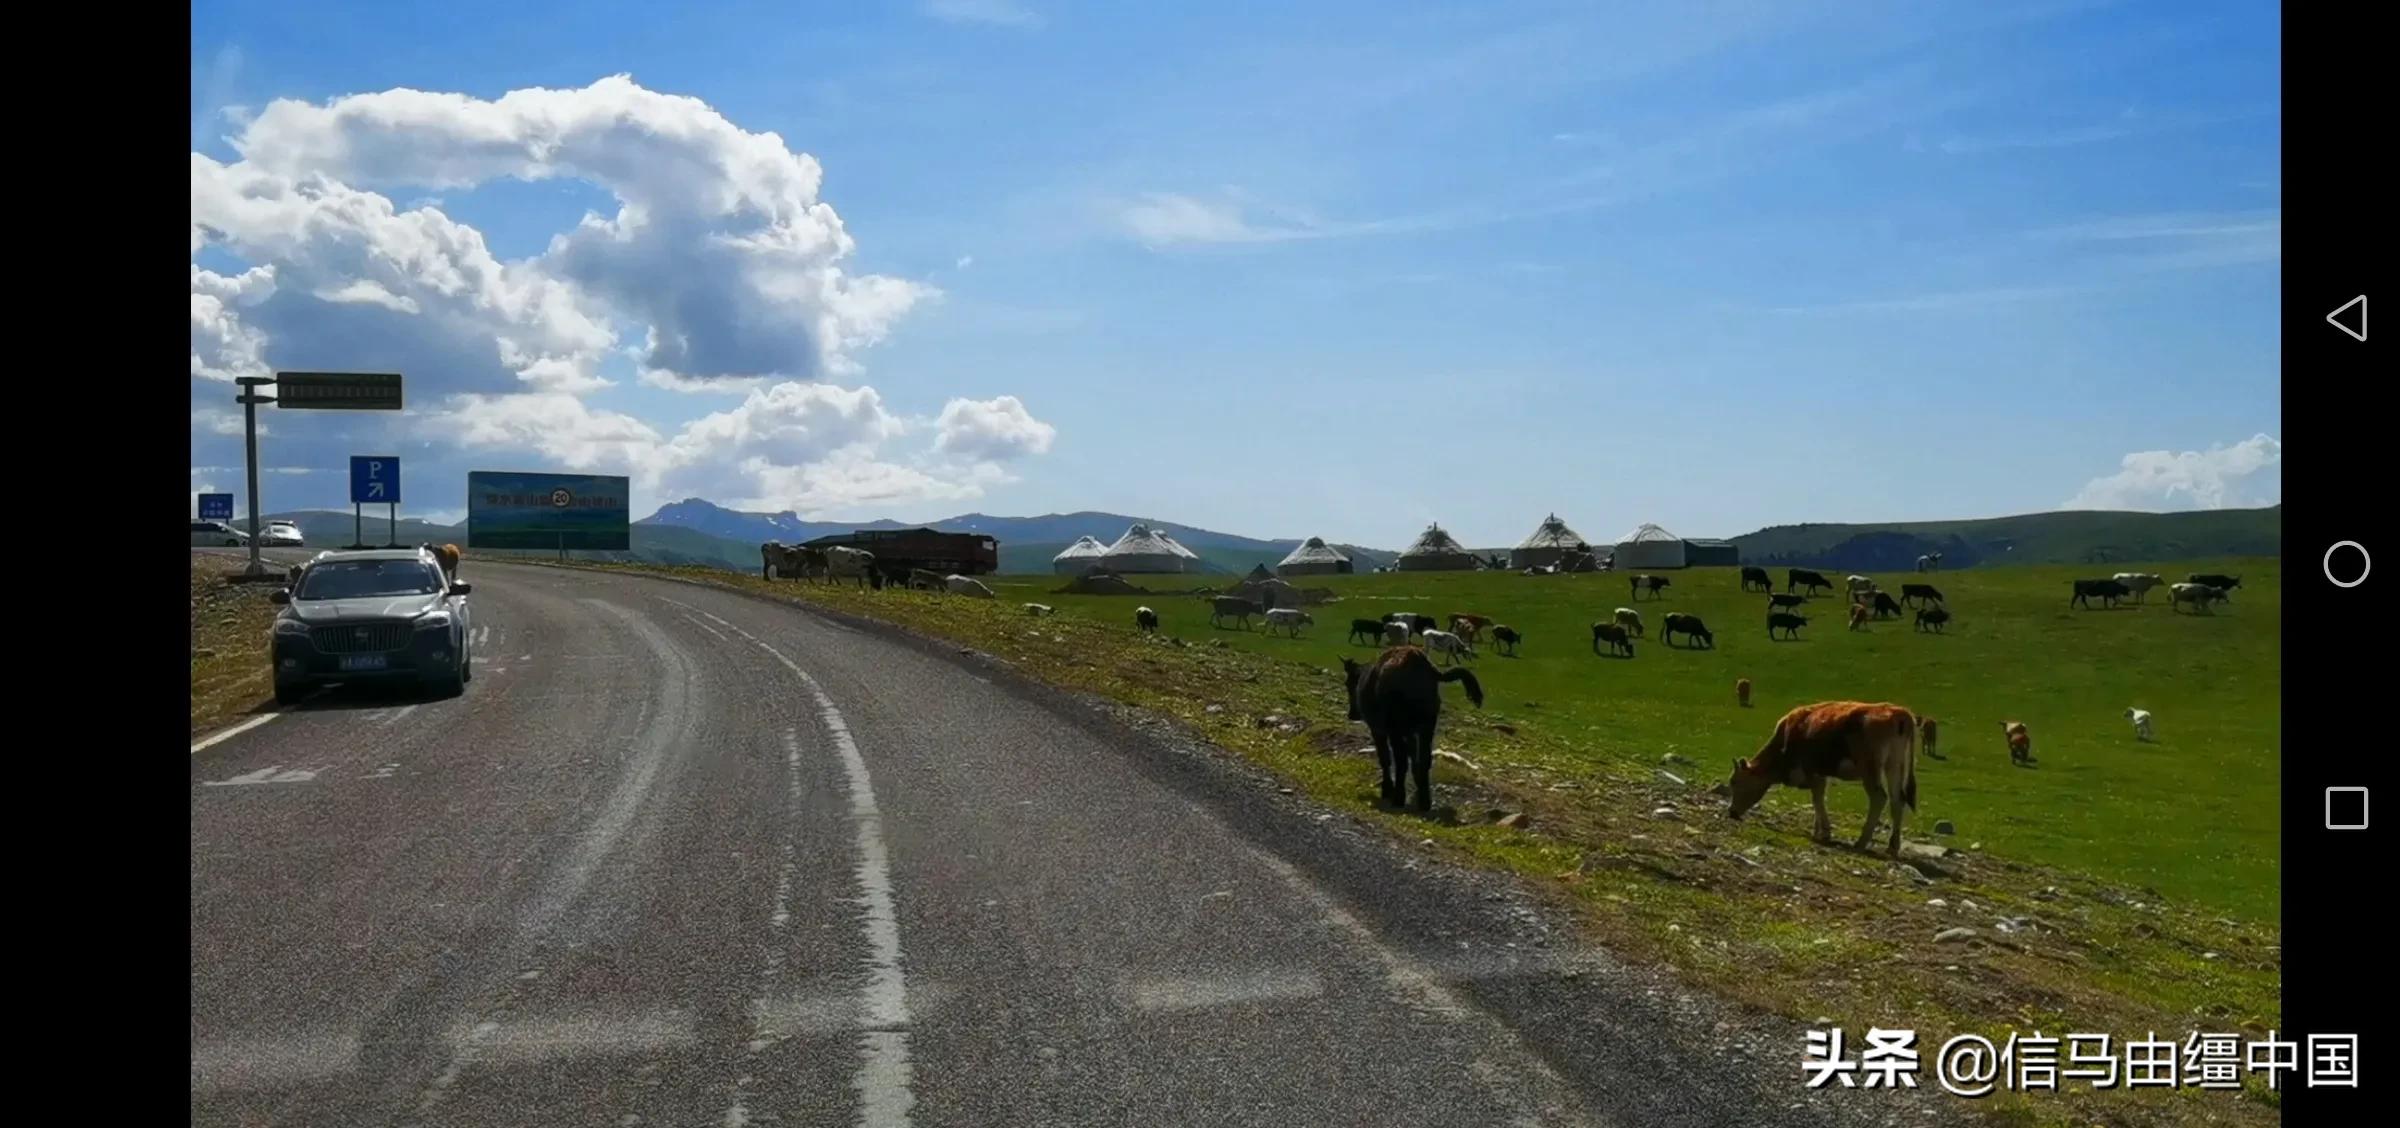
2141 725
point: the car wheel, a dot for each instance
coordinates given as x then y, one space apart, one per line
466 667
447 685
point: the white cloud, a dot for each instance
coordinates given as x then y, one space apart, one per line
221 421
720 261
1001 13
2248 473
993 430
1163 219
965 261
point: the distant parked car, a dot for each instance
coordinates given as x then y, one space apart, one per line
279 534
381 614
217 534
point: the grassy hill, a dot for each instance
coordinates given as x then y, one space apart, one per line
2066 537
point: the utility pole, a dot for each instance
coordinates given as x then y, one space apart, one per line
250 400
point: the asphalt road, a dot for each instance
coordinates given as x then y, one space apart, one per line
683 857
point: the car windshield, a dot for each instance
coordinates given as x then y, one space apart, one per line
366 579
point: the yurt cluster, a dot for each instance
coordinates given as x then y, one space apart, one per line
1553 547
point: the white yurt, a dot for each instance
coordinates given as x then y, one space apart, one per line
1141 550
1313 558
1437 551
1191 559
1551 543
1650 547
1078 558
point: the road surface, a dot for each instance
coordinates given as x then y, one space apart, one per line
683 857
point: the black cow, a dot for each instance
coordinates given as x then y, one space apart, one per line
1910 592
1614 635
1796 578
1680 623
1145 620
2109 591
1417 624
1650 584
1885 606
1756 575
1505 639
1932 618
1775 600
1788 623
2217 580
1371 628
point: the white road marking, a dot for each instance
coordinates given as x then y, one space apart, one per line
703 626
578 1035
399 715
273 774
1181 993
882 1079
483 636
269 1062
223 735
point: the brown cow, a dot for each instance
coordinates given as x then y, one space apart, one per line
1399 696
448 554
1873 743
1741 691
2020 742
1469 627
1858 615
1927 732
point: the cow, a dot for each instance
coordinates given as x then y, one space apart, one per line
1399 696
1885 605
1037 610
1778 599
844 562
2200 596
1796 578
1752 574
1631 620
1932 618
2139 583
921 579
1395 634
1469 627
1224 607
1505 639
1789 624
1291 619
1617 638
448 554
777 558
2109 591
1858 615
1448 645
2020 742
1741 691
1366 630
1925 727
966 585
1417 624
1910 593
1145 620
1690 626
2217 580
1875 744
1925 563
1651 584
2141 725
1860 585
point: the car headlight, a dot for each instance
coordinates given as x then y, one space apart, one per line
433 620
290 627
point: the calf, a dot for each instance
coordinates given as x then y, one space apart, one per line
1860 585
1875 744
1689 626
2020 742
1291 619
2217 580
1631 620
1926 726
1779 600
1223 607
1651 584
2109 591
1469 627
2139 583
1910 593
1037 610
1741 691
1756 575
1369 630
1505 638
1395 634
1858 615
1447 644
1796 578
1145 620
2141 725
1614 635
1885 605
1933 619
1789 624
2200 596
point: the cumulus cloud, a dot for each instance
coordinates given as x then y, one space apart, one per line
993 430
720 270
2246 474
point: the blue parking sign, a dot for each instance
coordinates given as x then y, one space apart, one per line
374 479
216 507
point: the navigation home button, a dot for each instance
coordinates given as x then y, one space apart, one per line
2345 808
2351 318
2365 564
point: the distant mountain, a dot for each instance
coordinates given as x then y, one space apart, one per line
651 544
2066 537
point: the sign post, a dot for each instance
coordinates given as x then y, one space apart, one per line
216 507
548 512
250 401
375 479
354 391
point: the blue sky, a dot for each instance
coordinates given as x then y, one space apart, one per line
1326 268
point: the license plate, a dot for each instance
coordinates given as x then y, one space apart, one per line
362 661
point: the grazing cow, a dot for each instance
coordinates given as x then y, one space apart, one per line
1910 593
1858 615
1469 627
1145 620
1631 620
1417 624
2141 725
843 562
1399 696
2020 742
1741 691
1779 599
1885 605
1617 638
1873 743
1678 623
1291 619
1752 574
1448 645
2217 580
1789 624
966 585
2139 583
1225 607
1796 578
1651 584
1925 726
1933 618
2200 596
778 559
2109 591
1366 630
1860 585
1505 638
1037 610
1395 634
